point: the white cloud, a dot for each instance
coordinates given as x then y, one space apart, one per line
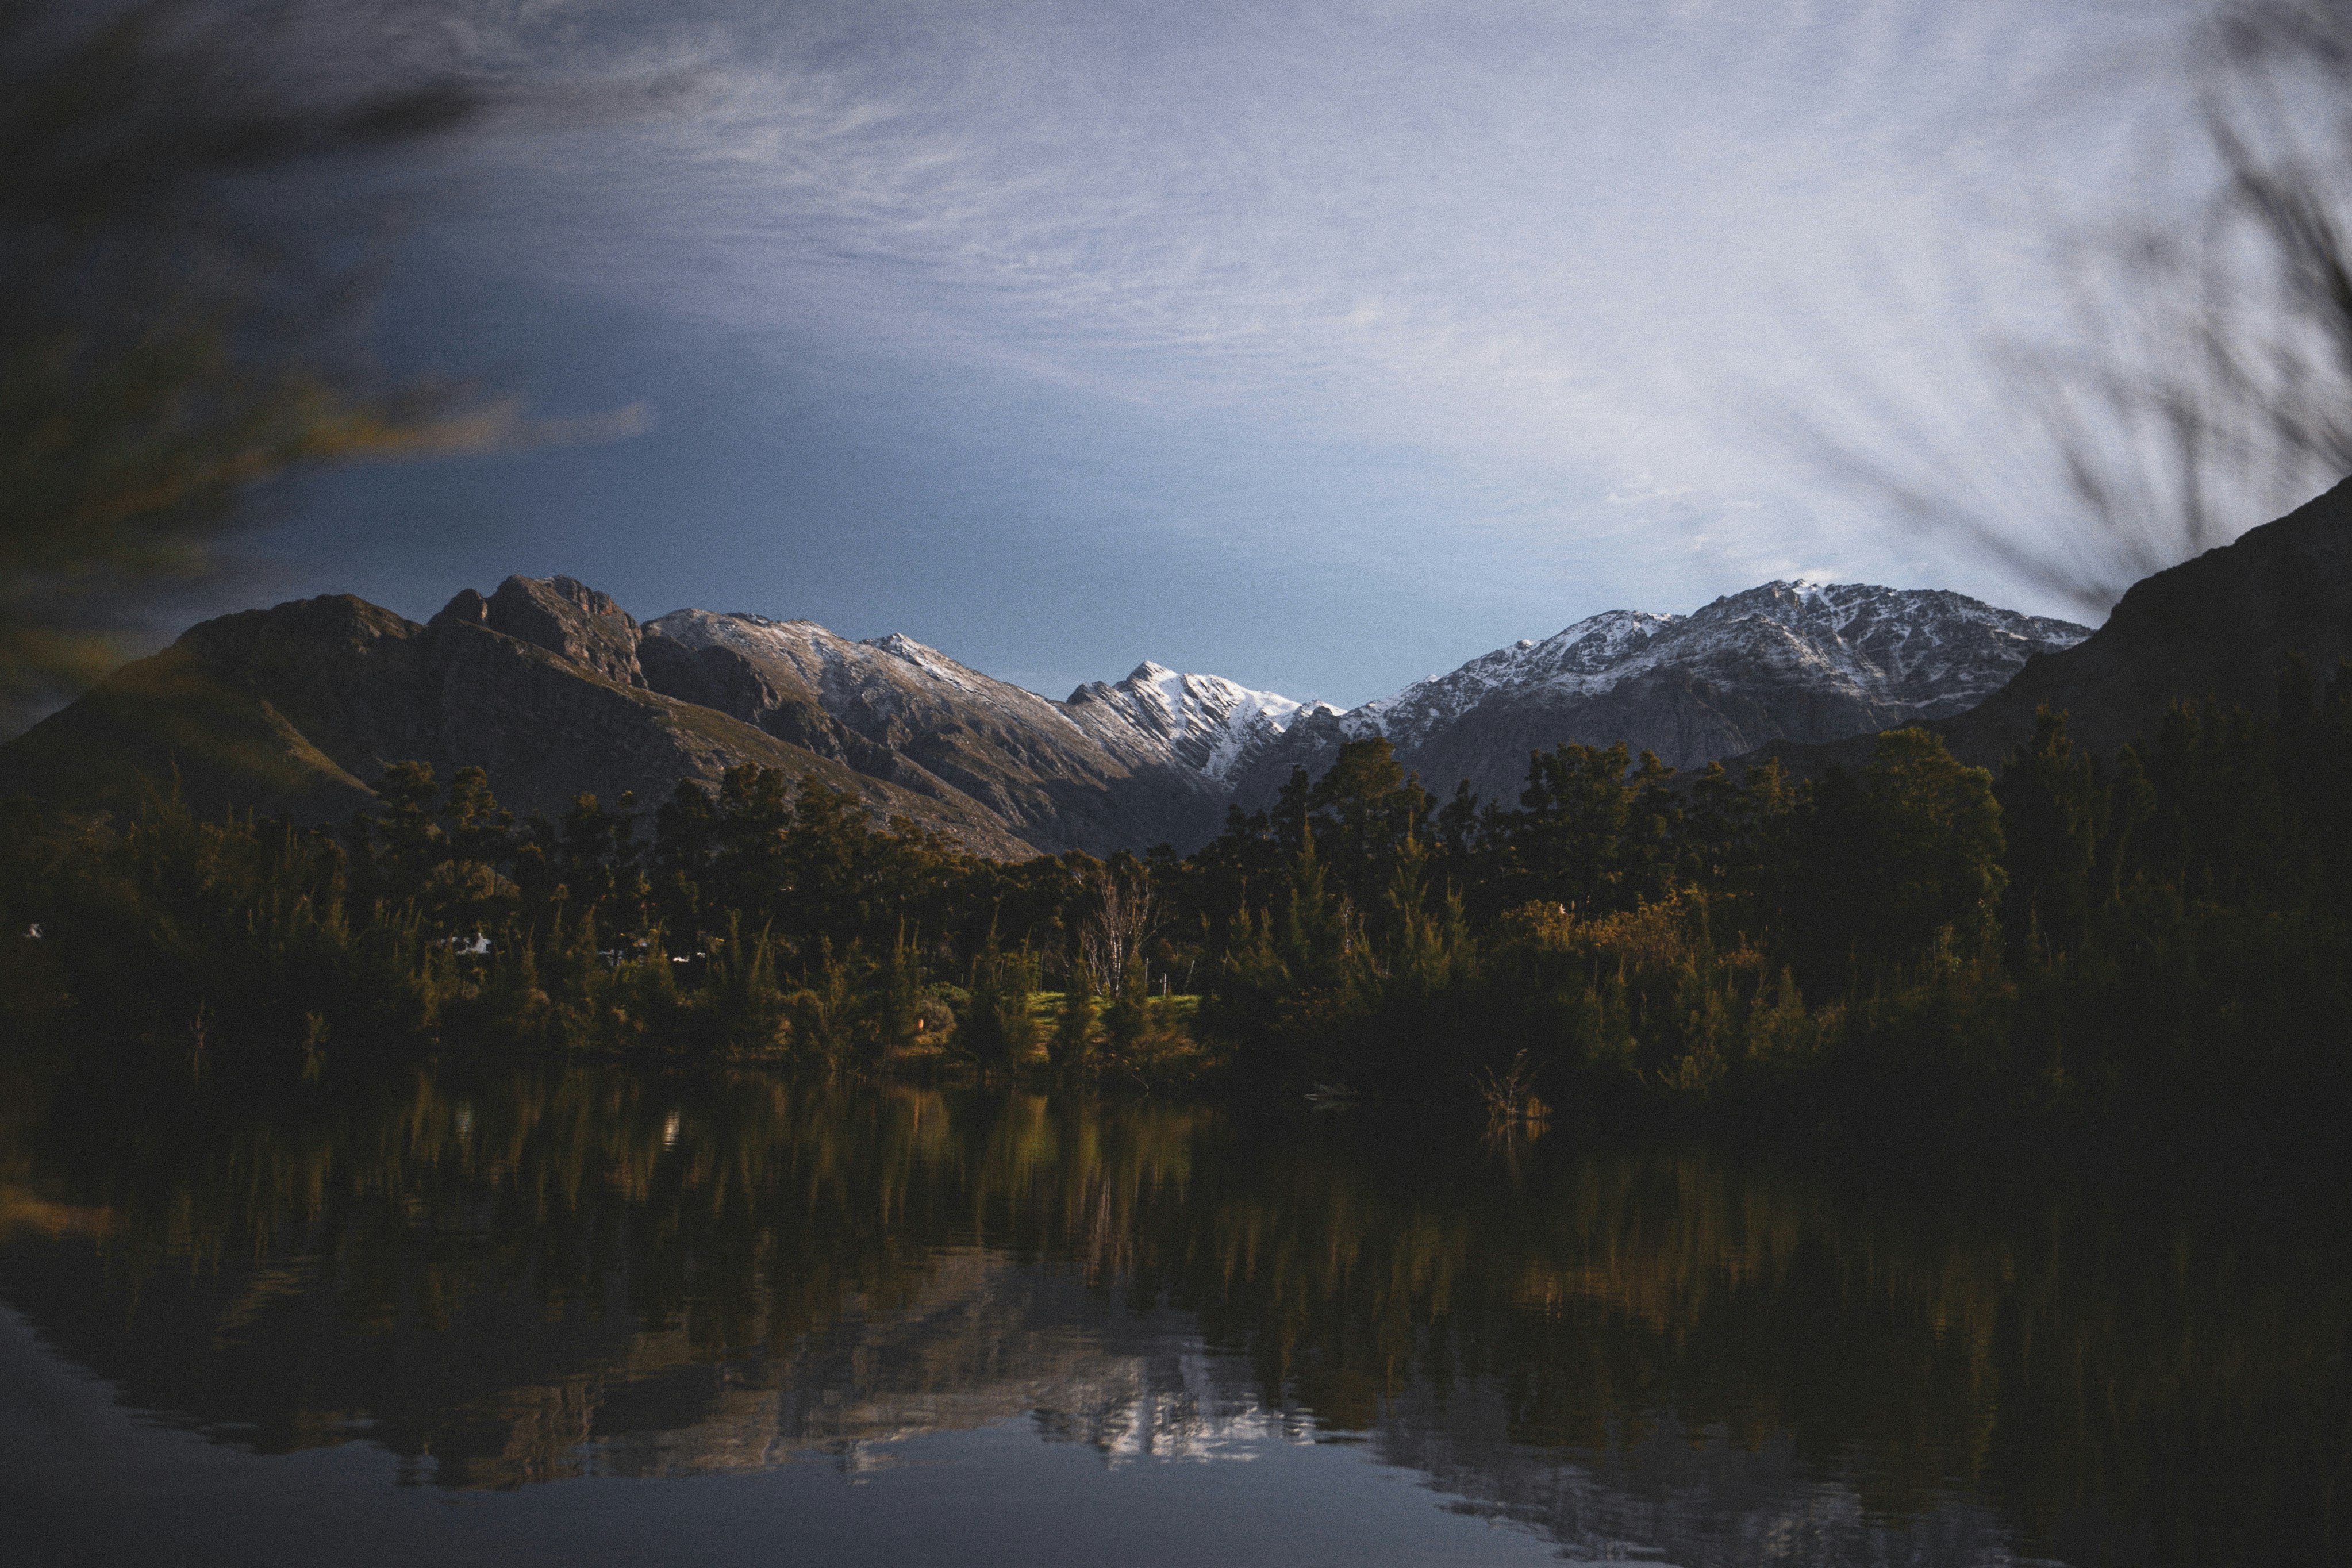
1543 244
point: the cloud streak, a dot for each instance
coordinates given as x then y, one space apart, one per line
1545 256
1535 239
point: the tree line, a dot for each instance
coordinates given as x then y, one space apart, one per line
2153 941
760 918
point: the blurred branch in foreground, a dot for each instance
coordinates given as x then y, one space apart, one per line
2201 381
168 343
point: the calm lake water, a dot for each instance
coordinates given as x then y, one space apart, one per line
512 1313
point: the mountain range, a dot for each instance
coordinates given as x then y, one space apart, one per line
554 689
2223 624
1786 661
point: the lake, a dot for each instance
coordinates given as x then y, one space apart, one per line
516 1313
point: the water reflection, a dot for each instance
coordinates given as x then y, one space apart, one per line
512 1274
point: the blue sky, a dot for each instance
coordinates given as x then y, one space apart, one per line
1322 346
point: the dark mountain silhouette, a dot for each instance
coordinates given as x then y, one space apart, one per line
2223 624
296 708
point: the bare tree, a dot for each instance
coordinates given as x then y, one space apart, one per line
1111 937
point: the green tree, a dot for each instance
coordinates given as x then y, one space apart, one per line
832 1018
898 991
1591 832
997 1031
1364 810
2053 816
1071 1046
1886 869
1127 1021
1937 832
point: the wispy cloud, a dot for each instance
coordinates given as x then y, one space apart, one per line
1552 250
1540 236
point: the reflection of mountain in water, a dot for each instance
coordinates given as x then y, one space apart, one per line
985 1339
1662 1490
497 1395
517 1274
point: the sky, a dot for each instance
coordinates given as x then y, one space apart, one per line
1321 346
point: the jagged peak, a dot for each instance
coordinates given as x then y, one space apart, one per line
560 615
1851 634
1206 722
570 590
692 618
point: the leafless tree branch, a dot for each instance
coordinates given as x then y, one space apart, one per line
2201 381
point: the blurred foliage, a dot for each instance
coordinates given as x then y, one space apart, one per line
169 344
2192 375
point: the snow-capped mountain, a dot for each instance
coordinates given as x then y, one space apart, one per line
891 689
1128 763
1206 723
1586 656
1798 660
885 689
553 688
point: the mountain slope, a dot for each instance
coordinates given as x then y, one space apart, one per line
1805 661
294 709
2223 624
554 689
1208 725
1115 766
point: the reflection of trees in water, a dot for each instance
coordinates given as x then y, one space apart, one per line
528 1272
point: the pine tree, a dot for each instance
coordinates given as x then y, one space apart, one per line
1071 1046
2054 816
749 1003
1127 1022
997 1031
897 998
829 1012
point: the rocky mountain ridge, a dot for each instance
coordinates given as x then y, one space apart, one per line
1206 724
556 690
296 708
1117 765
1786 660
2223 624
1159 755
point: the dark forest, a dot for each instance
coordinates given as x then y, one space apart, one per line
2153 944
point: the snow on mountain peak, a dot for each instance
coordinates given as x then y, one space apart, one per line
1782 658
834 664
1930 647
1204 722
